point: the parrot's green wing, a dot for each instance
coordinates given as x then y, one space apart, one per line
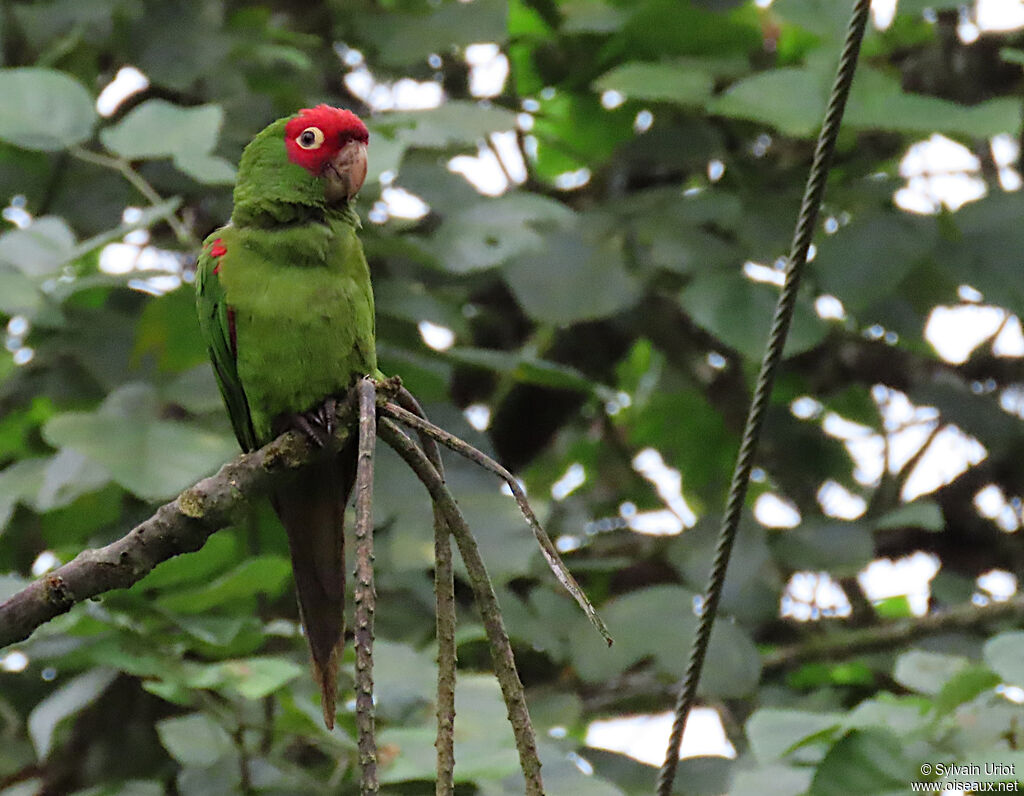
216 322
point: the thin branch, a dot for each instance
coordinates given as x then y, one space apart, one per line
487 602
181 526
124 168
546 545
841 644
493 147
365 595
911 465
444 595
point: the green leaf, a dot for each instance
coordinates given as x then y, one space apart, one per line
11 584
793 101
967 684
864 763
205 168
771 780
159 129
18 294
979 247
995 765
485 749
665 82
43 109
572 279
403 676
40 249
576 131
878 102
194 740
754 586
218 631
660 28
842 548
590 16
563 777
195 390
168 332
1012 55
775 732
821 17
522 367
20 483
702 448
1005 654
151 457
220 551
63 703
68 476
636 622
924 514
927 672
260 575
815 675
455 122
897 607
868 260
903 715
738 312
918 7
492 231
255 678
638 779
402 39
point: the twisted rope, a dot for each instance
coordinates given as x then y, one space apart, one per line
813 194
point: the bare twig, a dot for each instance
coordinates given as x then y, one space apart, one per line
444 595
841 644
124 168
365 596
487 602
181 526
546 545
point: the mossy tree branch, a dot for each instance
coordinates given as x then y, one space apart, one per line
181 526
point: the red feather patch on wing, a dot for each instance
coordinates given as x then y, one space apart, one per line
231 331
217 249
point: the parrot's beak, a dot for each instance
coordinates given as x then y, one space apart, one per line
345 173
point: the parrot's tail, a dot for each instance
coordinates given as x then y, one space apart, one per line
312 510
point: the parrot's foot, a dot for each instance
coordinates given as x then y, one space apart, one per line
319 424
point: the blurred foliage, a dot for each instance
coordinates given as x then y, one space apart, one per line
600 307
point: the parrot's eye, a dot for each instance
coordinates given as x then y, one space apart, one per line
310 138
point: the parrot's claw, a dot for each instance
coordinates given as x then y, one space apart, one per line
328 414
319 424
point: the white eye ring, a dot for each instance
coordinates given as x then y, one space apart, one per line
310 138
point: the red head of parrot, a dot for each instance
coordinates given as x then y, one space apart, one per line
329 143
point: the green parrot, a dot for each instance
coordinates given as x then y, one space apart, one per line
286 308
